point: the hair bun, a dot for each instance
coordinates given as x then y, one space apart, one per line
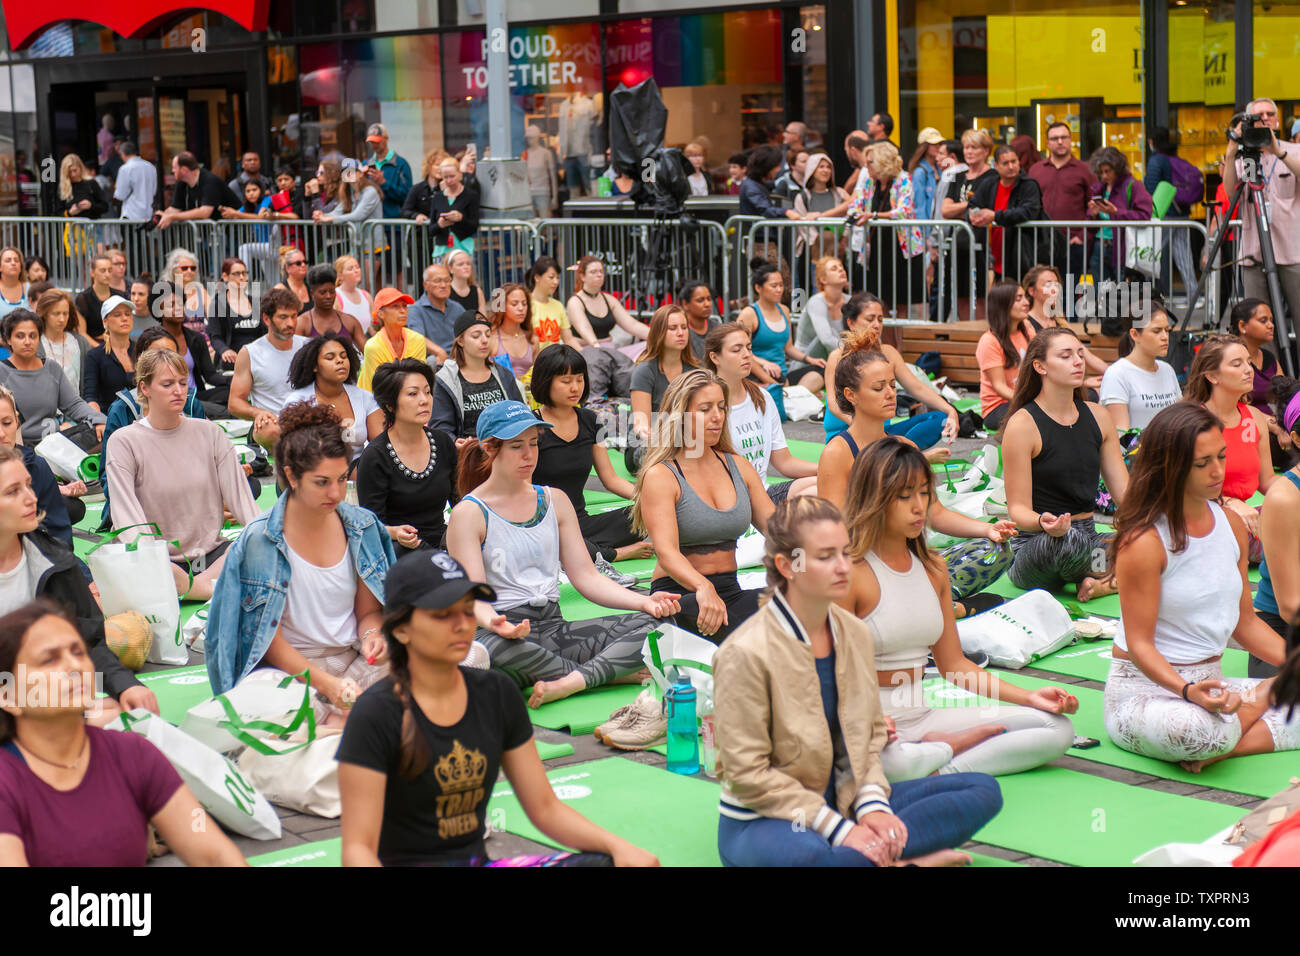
299 415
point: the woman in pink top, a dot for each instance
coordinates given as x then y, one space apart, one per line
1000 350
513 328
1220 378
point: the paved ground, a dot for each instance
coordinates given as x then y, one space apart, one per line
301 829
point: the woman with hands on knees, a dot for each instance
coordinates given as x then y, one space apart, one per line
1180 559
1055 446
695 496
72 794
800 726
1221 379
423 746
303 586
900 588
518 537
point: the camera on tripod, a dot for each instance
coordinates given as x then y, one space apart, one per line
1253 137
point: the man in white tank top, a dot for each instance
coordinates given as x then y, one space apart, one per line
261 379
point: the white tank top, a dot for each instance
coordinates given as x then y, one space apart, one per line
1200 594
522 561
359 310
320 608
270 369
908 620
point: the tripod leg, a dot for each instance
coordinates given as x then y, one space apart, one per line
1281 324
1216 241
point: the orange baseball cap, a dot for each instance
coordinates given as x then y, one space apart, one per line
386 297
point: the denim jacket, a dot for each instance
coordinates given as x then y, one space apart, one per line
248 601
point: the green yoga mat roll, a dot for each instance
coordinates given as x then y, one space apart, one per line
672 816
320 853
88 470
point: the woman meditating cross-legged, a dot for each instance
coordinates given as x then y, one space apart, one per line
800 727
1180 559
517 537
900 588
1054 447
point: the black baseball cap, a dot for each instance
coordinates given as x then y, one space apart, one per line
433 580
466 321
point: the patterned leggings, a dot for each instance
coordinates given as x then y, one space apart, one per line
1042 561
974 565
1144 718
600 649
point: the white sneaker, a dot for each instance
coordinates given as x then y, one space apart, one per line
613 573
478 657
644 726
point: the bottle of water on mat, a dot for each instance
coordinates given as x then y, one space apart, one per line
683 732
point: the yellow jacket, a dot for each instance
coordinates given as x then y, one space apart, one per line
774 744
380 351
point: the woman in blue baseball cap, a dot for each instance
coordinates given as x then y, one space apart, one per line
423 746
518 536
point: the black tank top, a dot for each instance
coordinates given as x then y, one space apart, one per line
468 302
601 325
1065 472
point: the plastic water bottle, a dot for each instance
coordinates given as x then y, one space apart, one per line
683 734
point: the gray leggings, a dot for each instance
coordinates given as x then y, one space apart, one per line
1033 737
600 649
1042 561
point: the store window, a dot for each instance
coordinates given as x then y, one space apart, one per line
321 98
1012 67
811 63
554 82
1201 71
282 105
395 81
720 75
1277 58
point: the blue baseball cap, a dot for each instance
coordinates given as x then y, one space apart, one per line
506 420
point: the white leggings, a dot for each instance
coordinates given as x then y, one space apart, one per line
1033 737
1145 718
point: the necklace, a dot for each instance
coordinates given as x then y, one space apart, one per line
62 766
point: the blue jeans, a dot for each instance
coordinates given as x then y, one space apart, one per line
925 429
939 813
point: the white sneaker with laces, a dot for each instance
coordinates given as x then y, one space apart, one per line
613 573
645 725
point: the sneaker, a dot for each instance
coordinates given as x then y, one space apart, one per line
613 573
644 727
478 657
616 719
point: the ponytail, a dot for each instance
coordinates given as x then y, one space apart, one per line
475 463
413 752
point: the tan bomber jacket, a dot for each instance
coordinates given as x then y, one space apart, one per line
774 745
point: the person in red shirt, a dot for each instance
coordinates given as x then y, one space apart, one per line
1003 203
1066 183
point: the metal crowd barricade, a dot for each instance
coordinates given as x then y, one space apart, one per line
395 252
922 286
69 244
646 259
1109 259
259 244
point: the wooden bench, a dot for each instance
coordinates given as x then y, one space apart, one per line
955 342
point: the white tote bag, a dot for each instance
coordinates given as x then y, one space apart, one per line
668 648
138 577
215 782
1142 250
306 780
1019 632
263 711
800 404
62 454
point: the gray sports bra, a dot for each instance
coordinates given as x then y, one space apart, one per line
701 528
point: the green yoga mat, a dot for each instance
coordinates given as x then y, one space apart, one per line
320 853
807 450
582 713
178 689
674 817
1107 606
982 860
1091 660
1083 820
549 751
1260 775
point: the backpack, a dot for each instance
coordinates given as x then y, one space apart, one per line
1188 182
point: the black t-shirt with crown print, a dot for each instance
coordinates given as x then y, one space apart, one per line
440 816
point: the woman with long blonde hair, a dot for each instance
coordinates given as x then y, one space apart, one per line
464 291
667 354
79 194
352 299
695 496
900 588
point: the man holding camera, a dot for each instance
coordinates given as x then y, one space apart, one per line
1278 170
